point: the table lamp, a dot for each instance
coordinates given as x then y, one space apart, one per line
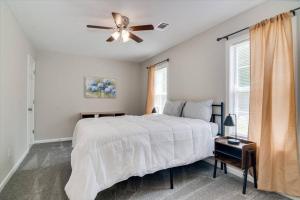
229 122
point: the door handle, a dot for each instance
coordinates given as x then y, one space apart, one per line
29 109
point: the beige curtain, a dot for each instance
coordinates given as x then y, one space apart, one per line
150 90
272 123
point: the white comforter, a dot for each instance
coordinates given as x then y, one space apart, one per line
109 150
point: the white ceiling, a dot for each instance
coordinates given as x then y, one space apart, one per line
60 25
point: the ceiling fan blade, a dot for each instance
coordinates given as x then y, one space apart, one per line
135 37
99 27
110 39
142 27
117 18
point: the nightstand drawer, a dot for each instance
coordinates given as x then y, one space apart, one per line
228 151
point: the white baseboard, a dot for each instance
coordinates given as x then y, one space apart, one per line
13 170
232 170
52 140
18 163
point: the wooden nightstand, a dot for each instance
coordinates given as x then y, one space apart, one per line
242 156
100 114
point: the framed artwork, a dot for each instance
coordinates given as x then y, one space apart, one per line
96 87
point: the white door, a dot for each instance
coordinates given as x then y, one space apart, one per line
30 99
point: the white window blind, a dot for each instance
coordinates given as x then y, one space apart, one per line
160 83
240 84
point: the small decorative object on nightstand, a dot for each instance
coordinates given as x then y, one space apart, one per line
242 156
229 122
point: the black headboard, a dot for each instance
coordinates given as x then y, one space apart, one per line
218 111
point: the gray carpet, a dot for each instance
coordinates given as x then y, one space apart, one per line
45 171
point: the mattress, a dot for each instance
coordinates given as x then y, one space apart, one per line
112 149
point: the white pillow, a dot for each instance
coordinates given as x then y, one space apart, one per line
198 110
173 108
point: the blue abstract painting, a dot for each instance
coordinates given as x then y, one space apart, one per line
96 87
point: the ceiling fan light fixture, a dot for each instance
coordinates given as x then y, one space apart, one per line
122 29
125 35
116 35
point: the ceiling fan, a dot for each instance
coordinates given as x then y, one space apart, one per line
123 30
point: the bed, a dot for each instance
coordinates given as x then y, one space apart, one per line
112 149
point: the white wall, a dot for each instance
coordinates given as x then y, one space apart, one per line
60 85
14 49
197 66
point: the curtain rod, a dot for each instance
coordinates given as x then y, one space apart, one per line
166 60
227 36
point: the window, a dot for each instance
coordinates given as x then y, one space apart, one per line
239 83
160 84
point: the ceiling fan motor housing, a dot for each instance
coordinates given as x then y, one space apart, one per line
125 22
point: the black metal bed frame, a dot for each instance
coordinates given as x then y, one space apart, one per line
220 114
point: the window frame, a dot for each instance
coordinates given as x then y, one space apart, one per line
230 79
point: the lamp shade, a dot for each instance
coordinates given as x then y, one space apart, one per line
229 121
154 110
